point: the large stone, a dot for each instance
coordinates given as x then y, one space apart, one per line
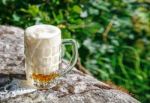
75 87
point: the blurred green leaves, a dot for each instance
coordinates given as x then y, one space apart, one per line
34 12
77 9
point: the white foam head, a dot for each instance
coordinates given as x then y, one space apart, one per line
42 31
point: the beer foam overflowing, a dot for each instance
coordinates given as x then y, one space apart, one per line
43 43
42 31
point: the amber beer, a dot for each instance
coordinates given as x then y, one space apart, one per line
43 54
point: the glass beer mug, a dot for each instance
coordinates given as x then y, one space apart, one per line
43 49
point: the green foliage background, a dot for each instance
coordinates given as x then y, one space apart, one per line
113 35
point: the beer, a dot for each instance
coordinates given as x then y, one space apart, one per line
43 54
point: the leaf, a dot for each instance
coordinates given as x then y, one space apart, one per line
91 28
83 14
4 2
88 43
77 9
66 33
93 11
101 5
32 10
15 17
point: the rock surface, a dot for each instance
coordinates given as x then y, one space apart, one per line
75 87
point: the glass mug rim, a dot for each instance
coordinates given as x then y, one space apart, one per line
56 33
34 28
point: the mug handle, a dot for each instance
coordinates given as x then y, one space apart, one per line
74 55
